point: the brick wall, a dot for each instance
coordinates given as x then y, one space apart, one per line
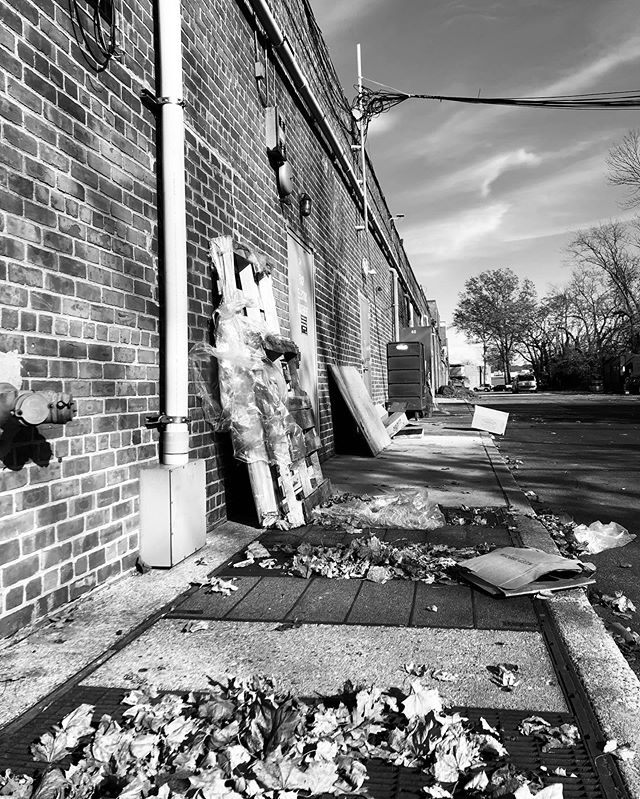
80 291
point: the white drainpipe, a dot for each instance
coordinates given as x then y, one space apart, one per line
173 423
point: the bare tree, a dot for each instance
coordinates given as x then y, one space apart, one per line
607 248
624 167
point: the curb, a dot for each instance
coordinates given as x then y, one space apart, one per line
612 688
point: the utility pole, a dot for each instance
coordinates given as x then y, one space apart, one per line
362 127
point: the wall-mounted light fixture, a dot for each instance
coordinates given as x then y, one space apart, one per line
396 216
305 203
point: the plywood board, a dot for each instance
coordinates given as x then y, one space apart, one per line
355 395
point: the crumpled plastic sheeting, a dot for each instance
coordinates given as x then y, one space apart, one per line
407 509
598 536
252 390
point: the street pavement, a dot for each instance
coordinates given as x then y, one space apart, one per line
580 455
315 634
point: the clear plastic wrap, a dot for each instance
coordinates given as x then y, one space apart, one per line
251 387
406 509
599 536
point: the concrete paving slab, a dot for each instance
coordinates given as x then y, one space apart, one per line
325 600
44 656
388 603
496 614
317 659
270 600
455 470
453 603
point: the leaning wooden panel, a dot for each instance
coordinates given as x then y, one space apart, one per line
355 394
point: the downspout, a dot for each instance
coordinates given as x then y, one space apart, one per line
281 45
173 423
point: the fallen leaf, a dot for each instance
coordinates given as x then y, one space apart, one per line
219 586
195 626
443 676
421 701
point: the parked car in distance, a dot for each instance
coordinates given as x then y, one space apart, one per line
483 387
525 381
502 387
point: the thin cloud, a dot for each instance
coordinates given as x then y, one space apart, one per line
482 175
449 237
338 14
588 74
473 122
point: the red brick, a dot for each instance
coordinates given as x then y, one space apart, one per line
21 570
34 497
52 513
14 598
9 551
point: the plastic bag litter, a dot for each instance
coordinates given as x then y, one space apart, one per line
251 388
598 536
406 509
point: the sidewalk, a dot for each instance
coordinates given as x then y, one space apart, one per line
315 634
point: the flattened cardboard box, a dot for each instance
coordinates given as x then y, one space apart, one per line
515 571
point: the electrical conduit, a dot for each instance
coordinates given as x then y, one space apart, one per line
281 45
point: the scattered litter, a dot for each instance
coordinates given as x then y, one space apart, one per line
195 626
626 634
219 586
514 571
61 619
559 737
532 496
618 602
443 676
431 608
415 670
624 752
408 508
141 566
370 558
504 676
288 625
598 536
625 565
245 738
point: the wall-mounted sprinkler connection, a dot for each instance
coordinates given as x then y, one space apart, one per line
31 408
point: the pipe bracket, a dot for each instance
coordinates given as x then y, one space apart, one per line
161 420
152 101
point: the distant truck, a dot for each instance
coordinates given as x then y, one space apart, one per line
525 381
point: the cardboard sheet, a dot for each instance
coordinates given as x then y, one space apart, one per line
490 420
513 571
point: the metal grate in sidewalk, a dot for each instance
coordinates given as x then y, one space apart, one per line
385 781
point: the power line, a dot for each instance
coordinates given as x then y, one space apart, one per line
372 102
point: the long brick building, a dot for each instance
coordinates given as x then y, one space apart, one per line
82 278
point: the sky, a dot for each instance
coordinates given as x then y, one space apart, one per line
486 187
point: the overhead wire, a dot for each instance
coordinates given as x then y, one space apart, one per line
372 102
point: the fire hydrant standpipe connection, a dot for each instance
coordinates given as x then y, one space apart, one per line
32 408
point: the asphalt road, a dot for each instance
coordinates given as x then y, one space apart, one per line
581 455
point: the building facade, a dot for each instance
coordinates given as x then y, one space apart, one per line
81 272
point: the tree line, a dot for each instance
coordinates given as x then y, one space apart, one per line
568 335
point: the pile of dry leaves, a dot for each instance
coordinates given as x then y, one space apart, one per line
245 740
372 559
